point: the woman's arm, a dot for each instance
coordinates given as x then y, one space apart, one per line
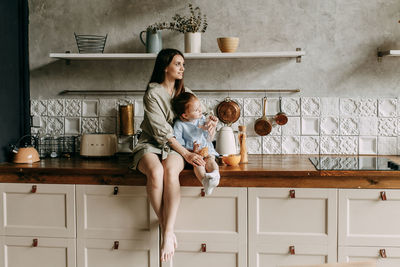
190 157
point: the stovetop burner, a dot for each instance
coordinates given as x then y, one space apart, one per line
356 163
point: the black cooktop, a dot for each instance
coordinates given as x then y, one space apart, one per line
356 163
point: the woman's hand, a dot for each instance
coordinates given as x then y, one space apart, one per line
194 159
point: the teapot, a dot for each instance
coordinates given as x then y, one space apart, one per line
226 141
26 154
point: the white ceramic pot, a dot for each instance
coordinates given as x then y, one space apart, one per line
193 42
226 144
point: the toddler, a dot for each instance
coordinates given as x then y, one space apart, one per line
190 131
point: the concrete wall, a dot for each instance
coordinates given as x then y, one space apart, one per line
340 38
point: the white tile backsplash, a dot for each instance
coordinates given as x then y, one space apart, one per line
387 107
90 108
310 106
290 144
326 125
272 144
310 126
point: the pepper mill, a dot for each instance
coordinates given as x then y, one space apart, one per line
242 141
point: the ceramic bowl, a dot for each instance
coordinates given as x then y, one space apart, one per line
231 160
228 44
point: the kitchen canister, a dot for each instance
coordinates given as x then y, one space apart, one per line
126 119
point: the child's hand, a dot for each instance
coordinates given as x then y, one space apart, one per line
211 126
196 147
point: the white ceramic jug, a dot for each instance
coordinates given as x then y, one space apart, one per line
226 143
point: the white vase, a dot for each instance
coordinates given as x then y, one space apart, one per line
193 42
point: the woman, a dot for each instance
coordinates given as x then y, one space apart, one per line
158 155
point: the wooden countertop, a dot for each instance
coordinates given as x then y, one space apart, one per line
262 171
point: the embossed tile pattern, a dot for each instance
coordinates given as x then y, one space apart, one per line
310 106
290 144
329 126
310 145
73 107
387 107
55 107
349 126
387 126
272 145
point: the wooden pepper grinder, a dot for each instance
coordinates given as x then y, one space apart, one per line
242 141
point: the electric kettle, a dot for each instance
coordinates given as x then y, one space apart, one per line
226 144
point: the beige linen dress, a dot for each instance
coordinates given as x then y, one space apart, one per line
157 124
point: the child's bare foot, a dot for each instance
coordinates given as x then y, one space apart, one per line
167 248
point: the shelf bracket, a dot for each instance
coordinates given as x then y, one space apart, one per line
380 55
67 61
298 59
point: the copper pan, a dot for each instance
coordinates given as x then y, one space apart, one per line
228 111
263 126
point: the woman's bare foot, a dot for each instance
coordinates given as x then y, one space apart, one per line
175 242
168 244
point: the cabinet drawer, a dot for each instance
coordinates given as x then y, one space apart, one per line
121 212
49 252
268 255
129 253
308 216
38 210
367 220
215 254
220 216
353 254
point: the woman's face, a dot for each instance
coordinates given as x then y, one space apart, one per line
175 69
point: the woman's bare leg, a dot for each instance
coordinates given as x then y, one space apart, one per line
173 165
151 166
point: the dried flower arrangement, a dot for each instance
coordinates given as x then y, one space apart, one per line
194 23
159 26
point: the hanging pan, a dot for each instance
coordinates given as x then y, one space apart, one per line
262 126
228 111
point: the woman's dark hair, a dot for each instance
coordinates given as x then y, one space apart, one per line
180 101
164 58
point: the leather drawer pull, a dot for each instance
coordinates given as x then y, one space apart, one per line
203 247
202 193
292 193
382 253
35 242
115 190
383 195
291 250
34 188
116 245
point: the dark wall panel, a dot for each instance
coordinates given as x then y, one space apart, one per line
14 73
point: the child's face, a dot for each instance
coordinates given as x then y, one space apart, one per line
193 110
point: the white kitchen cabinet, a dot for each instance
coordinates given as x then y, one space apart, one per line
369 217
44 252
115 253
115 212
292 226
106 214
37 210
384 256
211 230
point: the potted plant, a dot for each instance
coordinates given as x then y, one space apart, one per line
191 26
153 36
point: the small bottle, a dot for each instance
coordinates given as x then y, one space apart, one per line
242 141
